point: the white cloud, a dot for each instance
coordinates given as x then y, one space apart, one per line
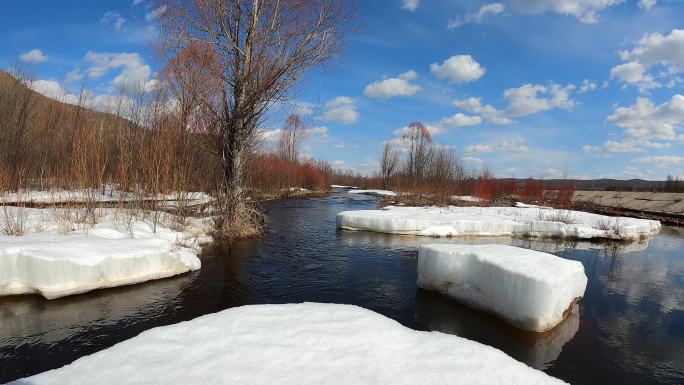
487 112
481 148
621 147
33 56
338 163
586 11
409 5
476 17
652 50
458 69
472 159
391 87
514 146
321 131
661 161
114 19
587 86
303 110
155 13
645 121
525 99
460 120
647 4
587 149
341 109
74 75
134 73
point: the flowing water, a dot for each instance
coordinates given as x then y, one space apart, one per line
629 328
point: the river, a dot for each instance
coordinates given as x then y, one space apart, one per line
629 328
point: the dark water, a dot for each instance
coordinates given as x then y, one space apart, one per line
629 328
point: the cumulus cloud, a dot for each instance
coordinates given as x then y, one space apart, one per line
341 109
647 4
587 86
479 148
155 13
33 56
526 99
621 147
476 17
134 72
460 120
661 161
588 149
586 11
645 121
514 146
487 112
391 87
115 20
652 51
458 69
74 75
409 5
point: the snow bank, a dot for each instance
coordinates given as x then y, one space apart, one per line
113 195
496 221
294 344
55 260
466 198
529 289
377 193
342 187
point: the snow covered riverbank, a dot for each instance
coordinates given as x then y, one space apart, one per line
496 221
58 254
531 290
297 343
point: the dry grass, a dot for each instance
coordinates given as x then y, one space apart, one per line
13 220
556 215
608 223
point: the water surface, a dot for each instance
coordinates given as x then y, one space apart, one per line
629 328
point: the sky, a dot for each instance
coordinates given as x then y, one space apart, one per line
528 88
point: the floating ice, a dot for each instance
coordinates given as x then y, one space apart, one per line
294 344
54 260
527 288
496 221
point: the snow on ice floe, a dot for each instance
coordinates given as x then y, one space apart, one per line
54 260
294 344
531 290
496 221
377 193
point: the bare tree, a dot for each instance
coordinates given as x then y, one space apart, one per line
389 164
291 138
419 150
263 47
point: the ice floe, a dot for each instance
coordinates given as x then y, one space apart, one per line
496 221
58 255
529 289
294 344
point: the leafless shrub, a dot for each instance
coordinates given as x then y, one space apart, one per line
609 223
556 215
14 220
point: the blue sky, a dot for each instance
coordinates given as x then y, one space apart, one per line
527 87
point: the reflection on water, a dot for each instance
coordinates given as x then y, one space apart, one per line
629 328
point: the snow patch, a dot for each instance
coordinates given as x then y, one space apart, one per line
54 261
494 221
529 289
377 193
294 344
